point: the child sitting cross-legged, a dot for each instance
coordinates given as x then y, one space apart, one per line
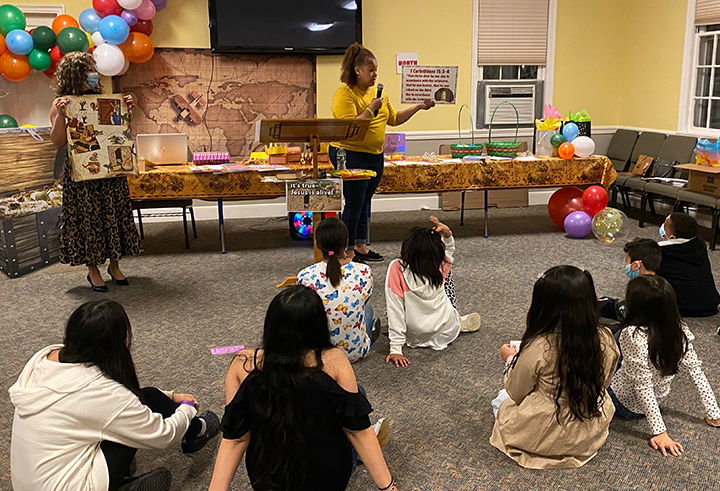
345 287
420 312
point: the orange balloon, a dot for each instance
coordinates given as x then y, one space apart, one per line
3 48
566 150
62 21
14 67
138 48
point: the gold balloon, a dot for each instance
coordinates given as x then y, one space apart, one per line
610 225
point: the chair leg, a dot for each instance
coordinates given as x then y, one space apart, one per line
677 205
625 199
613 196
462 207
140 225
714 233
652 206
192 221
185 229
643 202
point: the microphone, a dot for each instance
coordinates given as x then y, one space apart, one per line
380 88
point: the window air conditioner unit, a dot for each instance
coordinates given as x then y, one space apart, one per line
527 97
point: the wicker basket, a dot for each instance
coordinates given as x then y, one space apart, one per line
460 149
503 148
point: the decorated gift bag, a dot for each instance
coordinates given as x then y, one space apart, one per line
545 129
98 135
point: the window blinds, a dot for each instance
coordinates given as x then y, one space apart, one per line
707 12
513 32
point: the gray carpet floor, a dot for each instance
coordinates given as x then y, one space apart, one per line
181 303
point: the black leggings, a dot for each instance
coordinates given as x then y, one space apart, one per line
119 457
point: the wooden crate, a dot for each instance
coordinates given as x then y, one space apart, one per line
27 242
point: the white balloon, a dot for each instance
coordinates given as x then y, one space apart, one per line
109 59
125 67
97 38
584 146
129 4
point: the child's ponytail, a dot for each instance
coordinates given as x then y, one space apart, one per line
331 237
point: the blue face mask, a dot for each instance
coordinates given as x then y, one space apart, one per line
661 231
631 273
93 80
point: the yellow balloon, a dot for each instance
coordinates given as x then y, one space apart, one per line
89 36
28 126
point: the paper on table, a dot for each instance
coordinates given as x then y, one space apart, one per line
528 158
492 157
413 162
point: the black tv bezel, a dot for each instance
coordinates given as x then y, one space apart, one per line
215 48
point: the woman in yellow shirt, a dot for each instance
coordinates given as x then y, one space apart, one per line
356 99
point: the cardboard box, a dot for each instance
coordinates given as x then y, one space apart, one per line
702 178
474 200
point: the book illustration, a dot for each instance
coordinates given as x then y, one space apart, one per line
120 158
108 111
93 165
83 136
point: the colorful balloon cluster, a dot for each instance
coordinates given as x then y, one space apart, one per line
574 210
568 143
116 32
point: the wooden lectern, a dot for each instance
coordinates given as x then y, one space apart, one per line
312 131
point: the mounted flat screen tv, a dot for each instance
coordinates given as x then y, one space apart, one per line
284 26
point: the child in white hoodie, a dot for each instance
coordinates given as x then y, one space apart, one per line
420 313
80 413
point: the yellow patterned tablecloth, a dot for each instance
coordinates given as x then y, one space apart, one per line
178 182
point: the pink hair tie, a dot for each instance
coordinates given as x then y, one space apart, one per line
331 253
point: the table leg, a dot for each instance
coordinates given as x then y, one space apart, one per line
221 222
486 213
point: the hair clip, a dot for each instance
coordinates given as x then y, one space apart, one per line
331 253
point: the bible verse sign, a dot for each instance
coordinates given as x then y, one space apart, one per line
438 83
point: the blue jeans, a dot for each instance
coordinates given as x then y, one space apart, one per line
621 411
369 320
358 194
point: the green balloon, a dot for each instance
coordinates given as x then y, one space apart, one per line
557 139
72 39
39 60
43 38
7 121
11 18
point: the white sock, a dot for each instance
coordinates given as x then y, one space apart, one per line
203 426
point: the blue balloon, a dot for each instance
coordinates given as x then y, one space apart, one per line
19 42
89 20
570 131
114 29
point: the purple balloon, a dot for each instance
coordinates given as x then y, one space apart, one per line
129 17
578 224
160 4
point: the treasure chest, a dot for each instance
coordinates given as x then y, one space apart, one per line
29 202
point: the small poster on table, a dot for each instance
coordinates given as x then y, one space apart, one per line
438 83
98 135
318 195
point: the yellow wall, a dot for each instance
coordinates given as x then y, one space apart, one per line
621 60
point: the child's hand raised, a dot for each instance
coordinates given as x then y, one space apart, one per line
441 228
398 360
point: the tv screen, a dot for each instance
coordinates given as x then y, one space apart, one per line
284 26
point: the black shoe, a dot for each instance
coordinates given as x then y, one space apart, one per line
375 334
96 288
157 480
359 258
373 256
212 428
124 282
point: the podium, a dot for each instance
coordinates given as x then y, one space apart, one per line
312 131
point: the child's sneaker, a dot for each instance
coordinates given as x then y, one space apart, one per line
375 333
157 480
382 431
470 322
212 428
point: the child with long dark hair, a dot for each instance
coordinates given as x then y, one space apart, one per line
345 287
655 345
420 312
295 408
557 411
80 413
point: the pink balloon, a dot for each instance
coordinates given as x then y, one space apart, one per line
145 11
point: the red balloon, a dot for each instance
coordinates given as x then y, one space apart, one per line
55 55
143 26
50 72
557 203
595 199
106 7
566 150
